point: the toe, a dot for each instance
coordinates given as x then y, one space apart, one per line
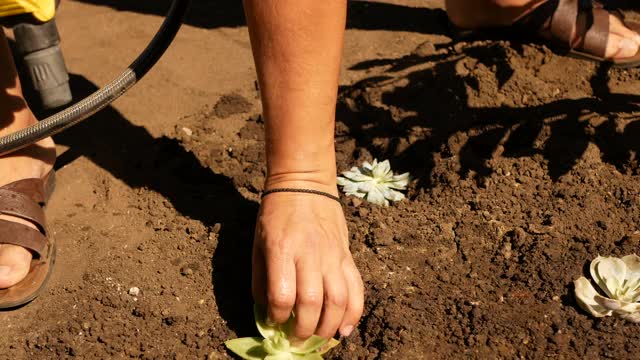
623 42
14 265
621 48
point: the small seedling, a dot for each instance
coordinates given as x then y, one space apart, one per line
275 345
374 182
619 282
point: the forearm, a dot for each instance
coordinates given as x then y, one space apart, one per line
297 46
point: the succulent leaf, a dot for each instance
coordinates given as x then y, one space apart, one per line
374 195
374 182
310 356
400 182
630 308
249 348
310 345
609 273
585 294
280 356
328 346
609 304
276 345
631 317
633 268
392 195
633 278
260 315
619 278
381 170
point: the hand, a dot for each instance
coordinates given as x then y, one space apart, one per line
302 263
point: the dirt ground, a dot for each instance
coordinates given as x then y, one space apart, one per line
526 166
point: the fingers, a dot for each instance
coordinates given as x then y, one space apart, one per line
355 301
335 301
309 298
323 305
281 286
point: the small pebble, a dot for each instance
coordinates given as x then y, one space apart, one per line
187 131
134 291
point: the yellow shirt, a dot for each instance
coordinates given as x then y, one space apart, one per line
43 10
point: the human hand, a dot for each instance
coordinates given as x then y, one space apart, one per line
302 263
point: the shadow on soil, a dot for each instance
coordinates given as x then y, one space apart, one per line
623 4
433 102
229 13
134 156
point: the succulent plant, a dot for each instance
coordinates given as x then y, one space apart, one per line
275 344
619 282
374 182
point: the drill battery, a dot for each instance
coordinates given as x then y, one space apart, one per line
40 11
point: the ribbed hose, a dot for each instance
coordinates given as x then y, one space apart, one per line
105 96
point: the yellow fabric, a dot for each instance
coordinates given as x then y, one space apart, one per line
43 10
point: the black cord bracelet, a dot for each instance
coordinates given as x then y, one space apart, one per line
306 191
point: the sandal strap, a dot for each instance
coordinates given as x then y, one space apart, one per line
611 10
597 37
33 188
564 19
24 199
564 25
24 236
19 205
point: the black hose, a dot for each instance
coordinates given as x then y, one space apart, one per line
105 96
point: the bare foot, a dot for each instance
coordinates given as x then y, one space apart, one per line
471 14
32 162
623 42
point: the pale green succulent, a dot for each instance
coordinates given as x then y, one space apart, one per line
374 182
619 281
275 344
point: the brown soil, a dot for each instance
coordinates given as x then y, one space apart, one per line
526 166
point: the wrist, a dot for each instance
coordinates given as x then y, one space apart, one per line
302 169
321 181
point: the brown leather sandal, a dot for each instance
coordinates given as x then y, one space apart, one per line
578 28
26 199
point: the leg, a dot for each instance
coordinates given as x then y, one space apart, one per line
32 162
623 42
